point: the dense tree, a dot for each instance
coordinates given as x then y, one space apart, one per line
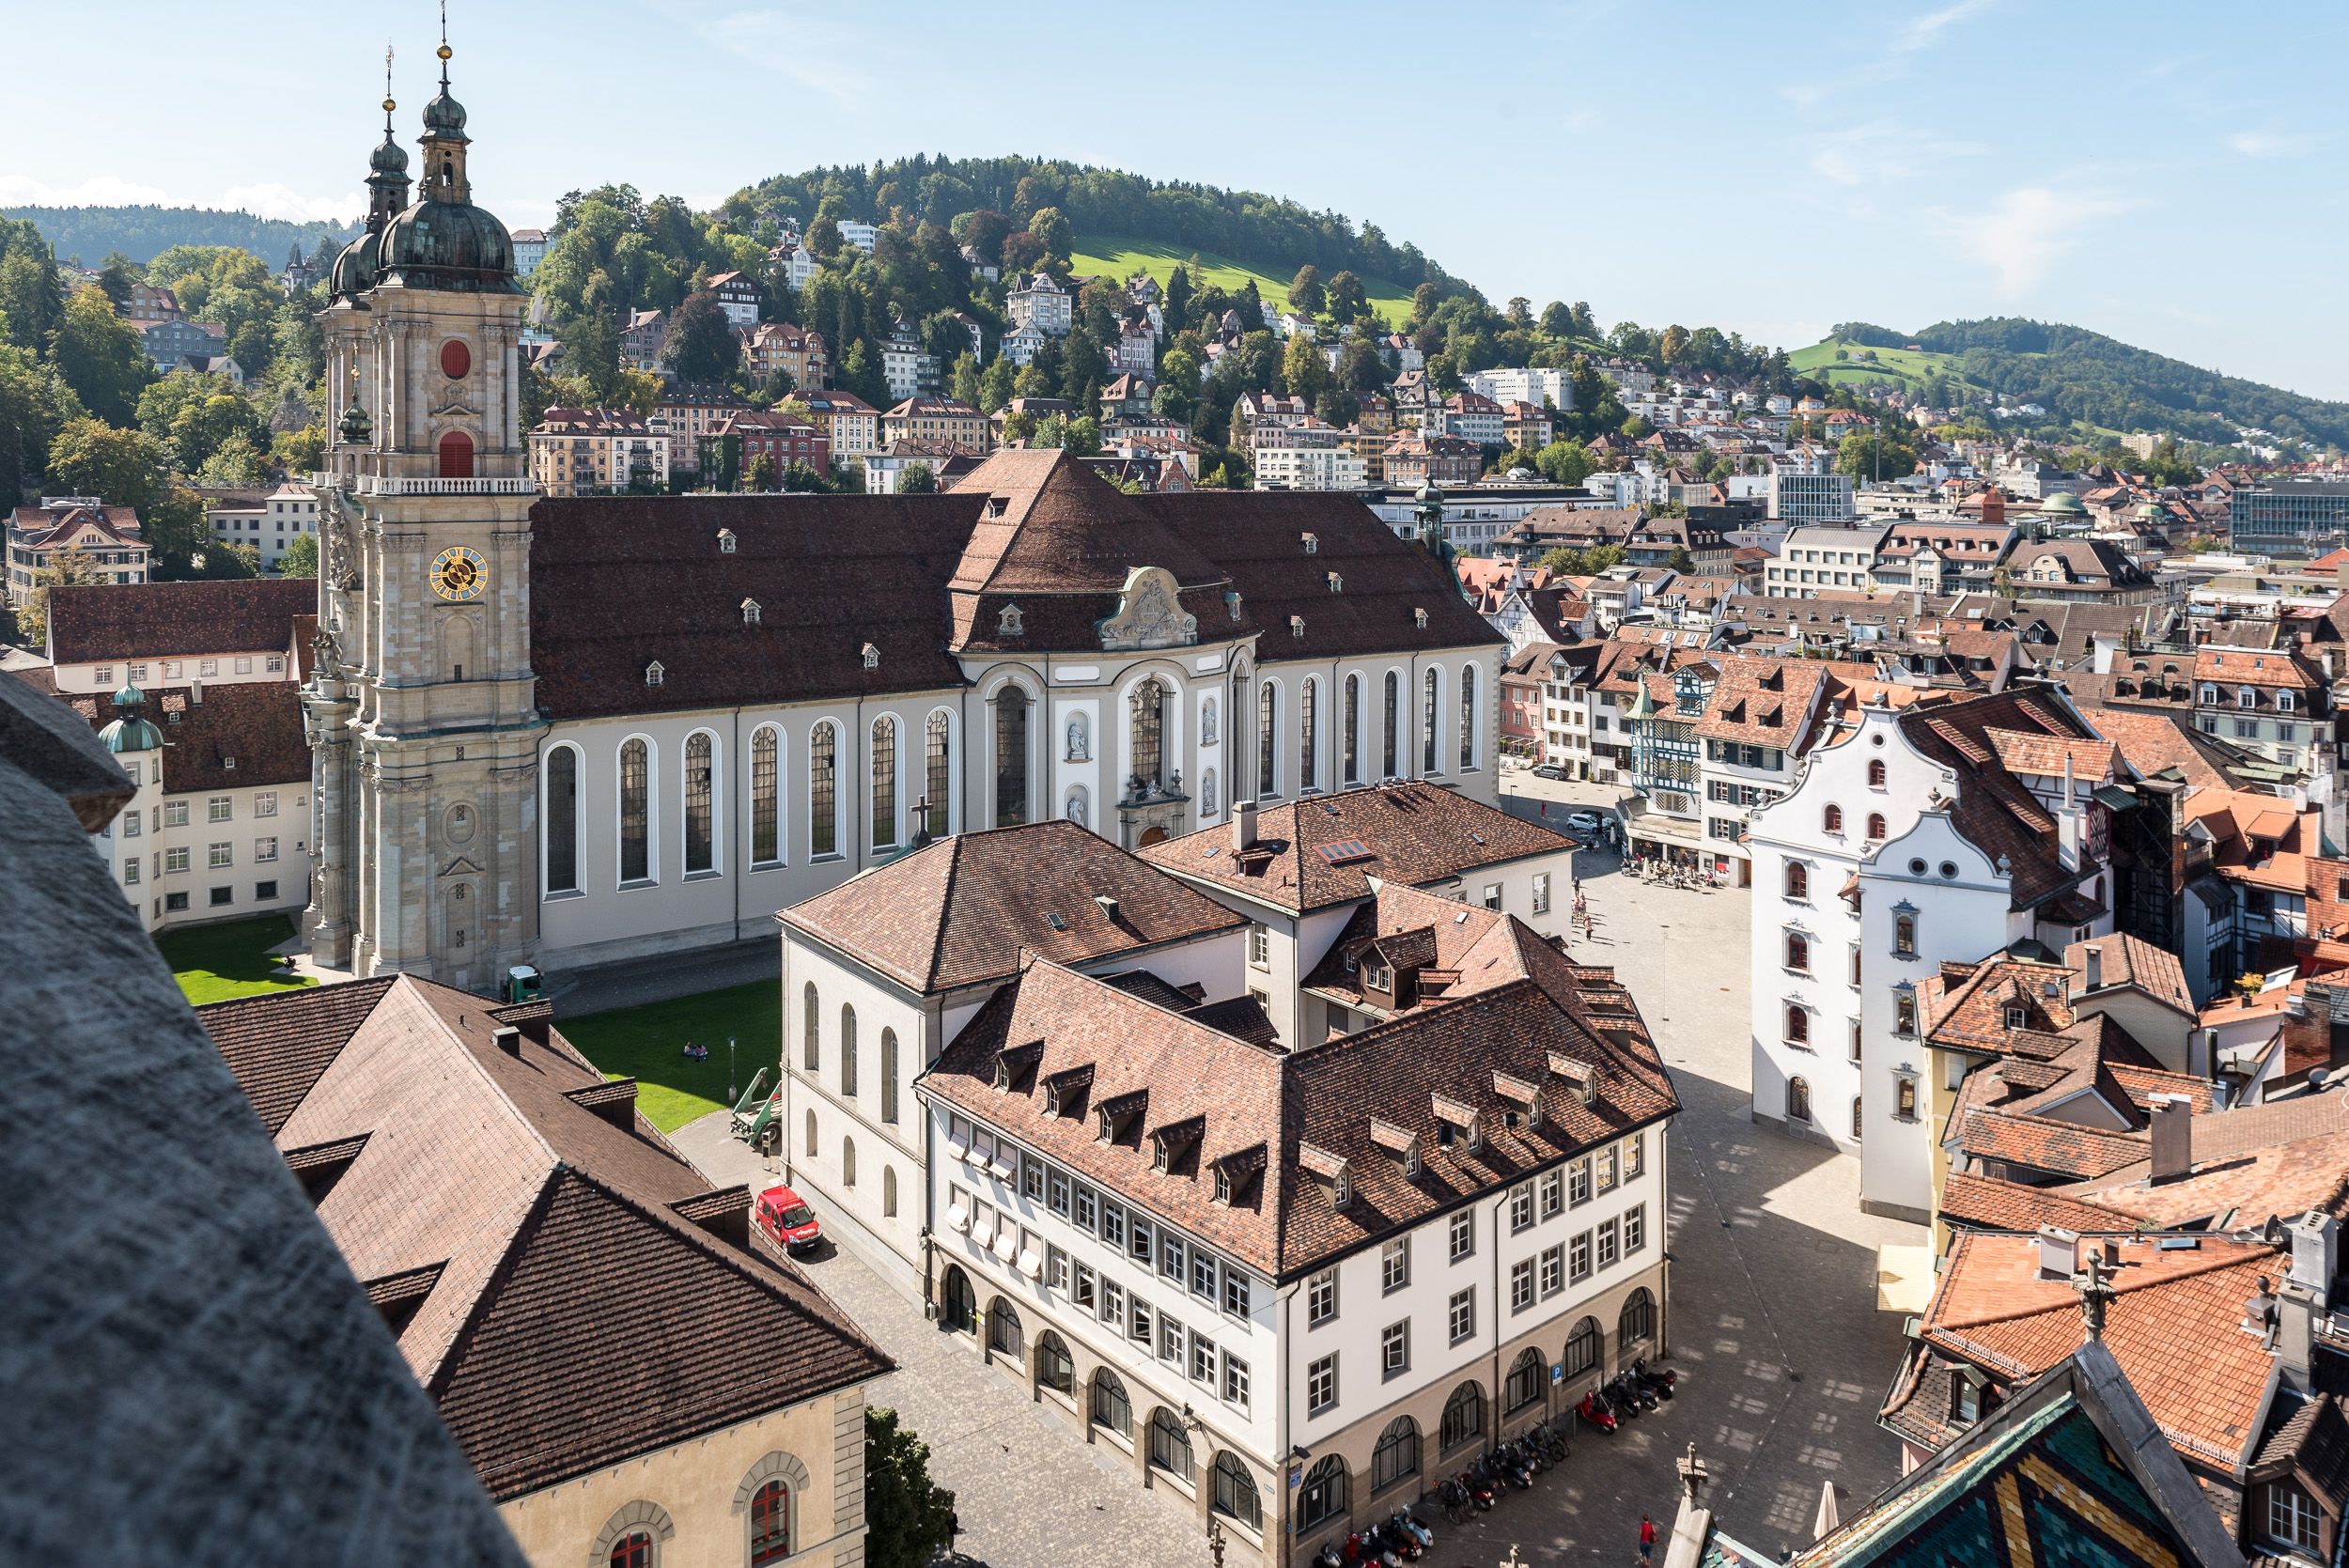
1869 455
299 558
122 467
236 461
1566 561
983 231
1346 299
1052 230
909 1517
917 479
35 403
1564 463
100 357
700 348
1305 290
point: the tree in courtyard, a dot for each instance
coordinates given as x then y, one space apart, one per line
908 1518
917 479
299 558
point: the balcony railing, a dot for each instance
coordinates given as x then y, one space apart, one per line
369 483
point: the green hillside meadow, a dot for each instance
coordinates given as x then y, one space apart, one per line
1898 365
1122 257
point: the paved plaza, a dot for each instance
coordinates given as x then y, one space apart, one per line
1782 1353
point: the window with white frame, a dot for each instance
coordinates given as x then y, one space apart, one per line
1553 1193
265 803
1461 1314
1321 1297
1520 1284
1259 947
1634 1228
2291 1516
1394 1348
1463 1236
1579 1182
264 849
1553 1269
1321 1384
1609 1243
219 808
219 855
1395 1266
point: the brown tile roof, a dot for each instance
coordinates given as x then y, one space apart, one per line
2250 667
244 734
2174 1326
43 527
1474 949
2312 1439
1987 1203
176 620
2154 743
1414 833
2127 960
962 911
2283 1157
575 1318
1305 1113
618 582
2043 1143
1761 702
1994 810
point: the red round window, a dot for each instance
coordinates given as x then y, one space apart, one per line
455 359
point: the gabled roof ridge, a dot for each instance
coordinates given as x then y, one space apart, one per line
450 1352
2121 1284
938 932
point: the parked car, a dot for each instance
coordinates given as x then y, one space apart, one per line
1583 822
1550 770
787 1221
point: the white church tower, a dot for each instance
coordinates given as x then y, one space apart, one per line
422 711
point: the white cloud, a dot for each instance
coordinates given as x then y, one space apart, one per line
1802 95
277 201
803 49
105 190
1926 30
1881 152
2272 144
2026 230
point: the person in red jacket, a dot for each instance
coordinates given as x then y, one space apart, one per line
1647 1538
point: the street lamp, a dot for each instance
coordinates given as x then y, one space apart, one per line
730 1094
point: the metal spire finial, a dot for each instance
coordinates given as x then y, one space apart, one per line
388 104
444 50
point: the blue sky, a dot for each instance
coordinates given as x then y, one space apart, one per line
2168 174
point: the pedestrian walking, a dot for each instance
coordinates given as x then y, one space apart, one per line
1647 1538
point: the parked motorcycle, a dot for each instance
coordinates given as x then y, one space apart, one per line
1594 1413
1659 1381
1629 1396
1550 1439
1479 1487
1623 1404
1403 1519
1395 1540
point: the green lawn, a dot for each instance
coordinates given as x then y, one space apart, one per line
1122 257
216 962
647 1043
1899 365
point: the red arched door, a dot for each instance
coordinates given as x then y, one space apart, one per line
457 455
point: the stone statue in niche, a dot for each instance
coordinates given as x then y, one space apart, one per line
1076 812
1206 722
1080 746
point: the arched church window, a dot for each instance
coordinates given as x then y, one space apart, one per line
884 782
1308 721
700 789
1011 756
937 774
766 841
1468 716
562 785
823 789
1147 721
1391 752
1350 727
635 812
1267 736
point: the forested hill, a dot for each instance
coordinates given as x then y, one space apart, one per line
2084 375
1246 225
143 233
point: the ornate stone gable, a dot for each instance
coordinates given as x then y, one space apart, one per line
1150 615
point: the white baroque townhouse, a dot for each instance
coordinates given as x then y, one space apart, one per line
1292 1290
1919 836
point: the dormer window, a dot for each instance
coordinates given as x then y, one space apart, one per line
750 611
872 656
2016 1017
1231 603
1342 1190
1312 544
1337 583
2283 702
654 673
1419 619
1297 626
727 541
1010 623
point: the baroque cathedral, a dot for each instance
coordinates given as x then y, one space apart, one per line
568 731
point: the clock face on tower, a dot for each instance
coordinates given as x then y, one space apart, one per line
459 574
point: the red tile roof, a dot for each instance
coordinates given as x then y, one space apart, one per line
2174 1326
964 910
241 735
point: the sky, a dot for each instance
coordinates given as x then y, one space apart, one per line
2166 173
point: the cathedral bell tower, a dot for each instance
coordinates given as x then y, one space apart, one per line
422 713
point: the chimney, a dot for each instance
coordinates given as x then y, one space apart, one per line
1109 907
2296 1312
2315 1254
1244 825
195 693
508 1038
2172 1129
2058 1252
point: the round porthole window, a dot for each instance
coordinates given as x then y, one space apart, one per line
1875 740
455 359
1915 868
1949 869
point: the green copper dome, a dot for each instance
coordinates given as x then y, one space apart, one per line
389 157
2065 504
129 731
448 244
444 116
353 272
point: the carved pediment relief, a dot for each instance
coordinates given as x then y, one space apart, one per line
456 408
1150 613
460 866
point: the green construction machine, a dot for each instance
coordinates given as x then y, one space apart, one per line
755 1114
